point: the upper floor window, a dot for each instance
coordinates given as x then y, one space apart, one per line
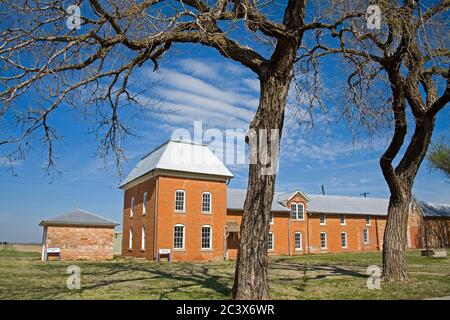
342 219
368 220
144 203
206 202
323 240
132 207
179 200
143 238
344 239
297 211
270 244
271 218
322 219
298 241
130 241
206 237
366 235
178 236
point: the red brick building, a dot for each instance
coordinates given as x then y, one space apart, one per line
177 199
79 235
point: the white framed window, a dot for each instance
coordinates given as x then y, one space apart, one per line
206 237
130 241
368 220
323 240
366 235
298 241
132 207
206 202
342 220
270 243
144 203
297 211
322 220
178 236
180 200
344 239
143 237
271 218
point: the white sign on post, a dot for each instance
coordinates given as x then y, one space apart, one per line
164 251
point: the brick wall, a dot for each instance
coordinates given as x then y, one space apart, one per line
353 227
193 219
139 219
81 243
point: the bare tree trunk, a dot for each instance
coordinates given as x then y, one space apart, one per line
395 237
400 183
250 280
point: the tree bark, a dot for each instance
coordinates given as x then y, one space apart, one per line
400 182
250 280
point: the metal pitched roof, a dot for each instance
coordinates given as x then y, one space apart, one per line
347 205
430 209
318 203
79 217
236 198
179 156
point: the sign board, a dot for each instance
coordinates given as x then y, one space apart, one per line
164 251
53 250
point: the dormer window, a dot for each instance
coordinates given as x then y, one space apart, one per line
297 211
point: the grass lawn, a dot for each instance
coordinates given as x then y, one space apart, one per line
328 276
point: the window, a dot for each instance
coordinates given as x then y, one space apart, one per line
206 237
342 220
323 240
271 218
344 239
206 202
178 236
132 207
366 235
143 238
367 220
298 241
179 200
130 243
270 241
297 211
322 219
144 203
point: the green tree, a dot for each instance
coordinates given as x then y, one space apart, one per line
439 157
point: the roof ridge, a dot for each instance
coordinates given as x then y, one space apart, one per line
95 215
157 148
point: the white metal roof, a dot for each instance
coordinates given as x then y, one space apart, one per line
179 156
430 209
236 199
347 205
318 203
79 217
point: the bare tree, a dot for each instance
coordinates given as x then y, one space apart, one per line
409 55
89 69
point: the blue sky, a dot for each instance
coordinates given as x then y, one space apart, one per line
195 84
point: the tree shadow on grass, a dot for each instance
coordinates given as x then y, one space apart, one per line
178 278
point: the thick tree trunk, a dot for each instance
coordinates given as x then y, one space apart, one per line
250 280
400 183
395 237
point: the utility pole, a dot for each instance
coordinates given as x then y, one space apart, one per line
364 194
323 190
